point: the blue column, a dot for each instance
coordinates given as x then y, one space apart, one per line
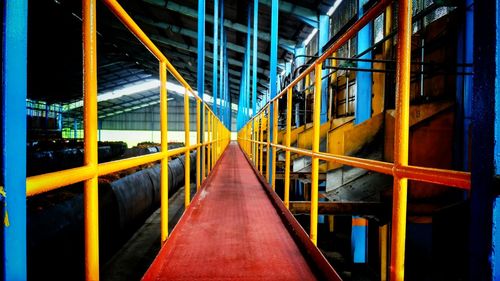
14 76
324 35
215 61
75 128
201 48
221 59
273 68
484 249
249 46
363 109
359 240
254 54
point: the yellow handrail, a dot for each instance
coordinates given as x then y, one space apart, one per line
218 137
400 170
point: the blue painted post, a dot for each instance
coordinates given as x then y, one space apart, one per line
273 66
215 61
201 50
201 68
14 78
324 36
359 240
254 54
221 59
363 110
484 254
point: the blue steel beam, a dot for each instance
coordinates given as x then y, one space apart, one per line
201 73
304 14
184 10
247 90
273 70
14 78
254 54
363 110
221 57
324 36
215 56
193 34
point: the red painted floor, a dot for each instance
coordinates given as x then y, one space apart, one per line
230 232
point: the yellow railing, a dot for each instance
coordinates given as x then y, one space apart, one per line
252 144
215 134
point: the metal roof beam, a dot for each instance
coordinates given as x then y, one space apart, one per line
193 34
286 44
306 15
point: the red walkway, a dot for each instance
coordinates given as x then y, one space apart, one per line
231 231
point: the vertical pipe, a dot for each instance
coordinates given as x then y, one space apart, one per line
14 78
187 159
198 142
401 140
90 193
164 150
287 144
313 235
215 56
275 141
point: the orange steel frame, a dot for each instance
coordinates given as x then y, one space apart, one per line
400 170
218 137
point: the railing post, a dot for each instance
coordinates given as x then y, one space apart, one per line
187 155
261 146
209 140
275 141
315 148
287 144
401 137
268 145
198 143
164 151
203 146
91 200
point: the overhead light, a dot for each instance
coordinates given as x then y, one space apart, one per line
333 8
310 37
169 99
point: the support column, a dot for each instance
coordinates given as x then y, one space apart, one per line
359 235
363 109
273 66
215 80
13 193
324 34
201 63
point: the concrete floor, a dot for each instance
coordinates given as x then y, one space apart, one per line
135 257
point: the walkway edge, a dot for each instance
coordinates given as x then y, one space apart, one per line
313 255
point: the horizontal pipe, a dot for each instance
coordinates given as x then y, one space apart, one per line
50 181
423 174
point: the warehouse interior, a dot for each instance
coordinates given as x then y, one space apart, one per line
250 140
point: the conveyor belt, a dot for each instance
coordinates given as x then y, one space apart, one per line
235 230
